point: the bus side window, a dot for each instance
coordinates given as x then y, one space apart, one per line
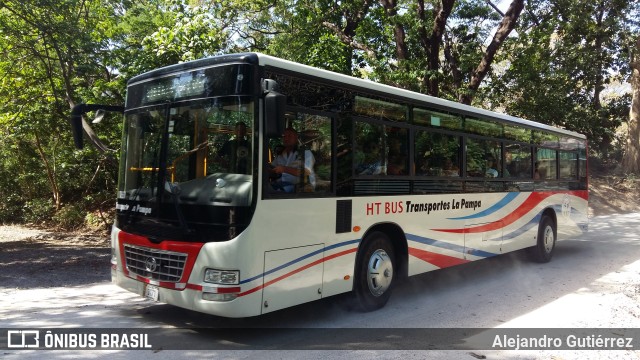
546 160
369 151
484 158
344 155
437 154
315 139
397 140
517 161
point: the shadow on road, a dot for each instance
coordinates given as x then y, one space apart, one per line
484 293
45 262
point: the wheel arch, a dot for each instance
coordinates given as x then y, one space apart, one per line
398 241
542 252
551 213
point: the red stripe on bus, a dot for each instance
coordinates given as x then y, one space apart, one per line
282 277
532 201
194 287
439 260
163 284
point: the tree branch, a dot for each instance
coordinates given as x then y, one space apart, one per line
348 40
494 7
506 26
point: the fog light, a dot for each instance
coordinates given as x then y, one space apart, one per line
218 297
222 277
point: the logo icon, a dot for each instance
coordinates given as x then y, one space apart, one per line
151 264
23 338
566 207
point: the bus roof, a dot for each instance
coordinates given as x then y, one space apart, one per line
370 85
267 60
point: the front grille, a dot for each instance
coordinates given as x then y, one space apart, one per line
155 264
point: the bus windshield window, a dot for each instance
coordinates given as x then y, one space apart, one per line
204 137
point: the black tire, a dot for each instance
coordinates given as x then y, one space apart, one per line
547 234
375 272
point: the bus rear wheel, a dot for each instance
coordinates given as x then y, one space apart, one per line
375 272
547 233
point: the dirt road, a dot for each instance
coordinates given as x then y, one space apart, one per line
592 282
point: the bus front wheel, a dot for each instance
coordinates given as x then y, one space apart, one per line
543 250
375 272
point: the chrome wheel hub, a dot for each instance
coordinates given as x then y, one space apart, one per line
379 272
548 239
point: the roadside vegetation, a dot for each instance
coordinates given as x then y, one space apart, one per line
568 63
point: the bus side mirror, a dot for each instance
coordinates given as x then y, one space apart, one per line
76 119
274 107
76 125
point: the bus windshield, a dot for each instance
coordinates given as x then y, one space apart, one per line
182 159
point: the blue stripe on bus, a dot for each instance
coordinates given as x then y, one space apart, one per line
480 253
532 223
523 229
350 242
428 241
449 246
497 206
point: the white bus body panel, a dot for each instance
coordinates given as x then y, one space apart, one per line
291 254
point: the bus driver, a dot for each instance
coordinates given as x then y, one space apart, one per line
288 165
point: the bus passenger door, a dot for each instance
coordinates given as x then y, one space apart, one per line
292 276
483 240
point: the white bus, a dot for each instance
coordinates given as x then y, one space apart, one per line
249 184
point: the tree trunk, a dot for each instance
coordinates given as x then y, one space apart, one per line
51 175
431 43
399 35
507 24
598 85
631 158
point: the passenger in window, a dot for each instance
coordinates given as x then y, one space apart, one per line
397 164
509 165
286 169
492 168
368 160
421 165
449 168
511 168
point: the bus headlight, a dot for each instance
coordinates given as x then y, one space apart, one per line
222 277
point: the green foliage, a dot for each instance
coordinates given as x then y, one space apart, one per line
61 53
37 211
97 220
11 209
191 33
70 217
560 63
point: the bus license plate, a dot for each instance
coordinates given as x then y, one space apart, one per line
151 292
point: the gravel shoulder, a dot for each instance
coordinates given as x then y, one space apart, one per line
32 258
